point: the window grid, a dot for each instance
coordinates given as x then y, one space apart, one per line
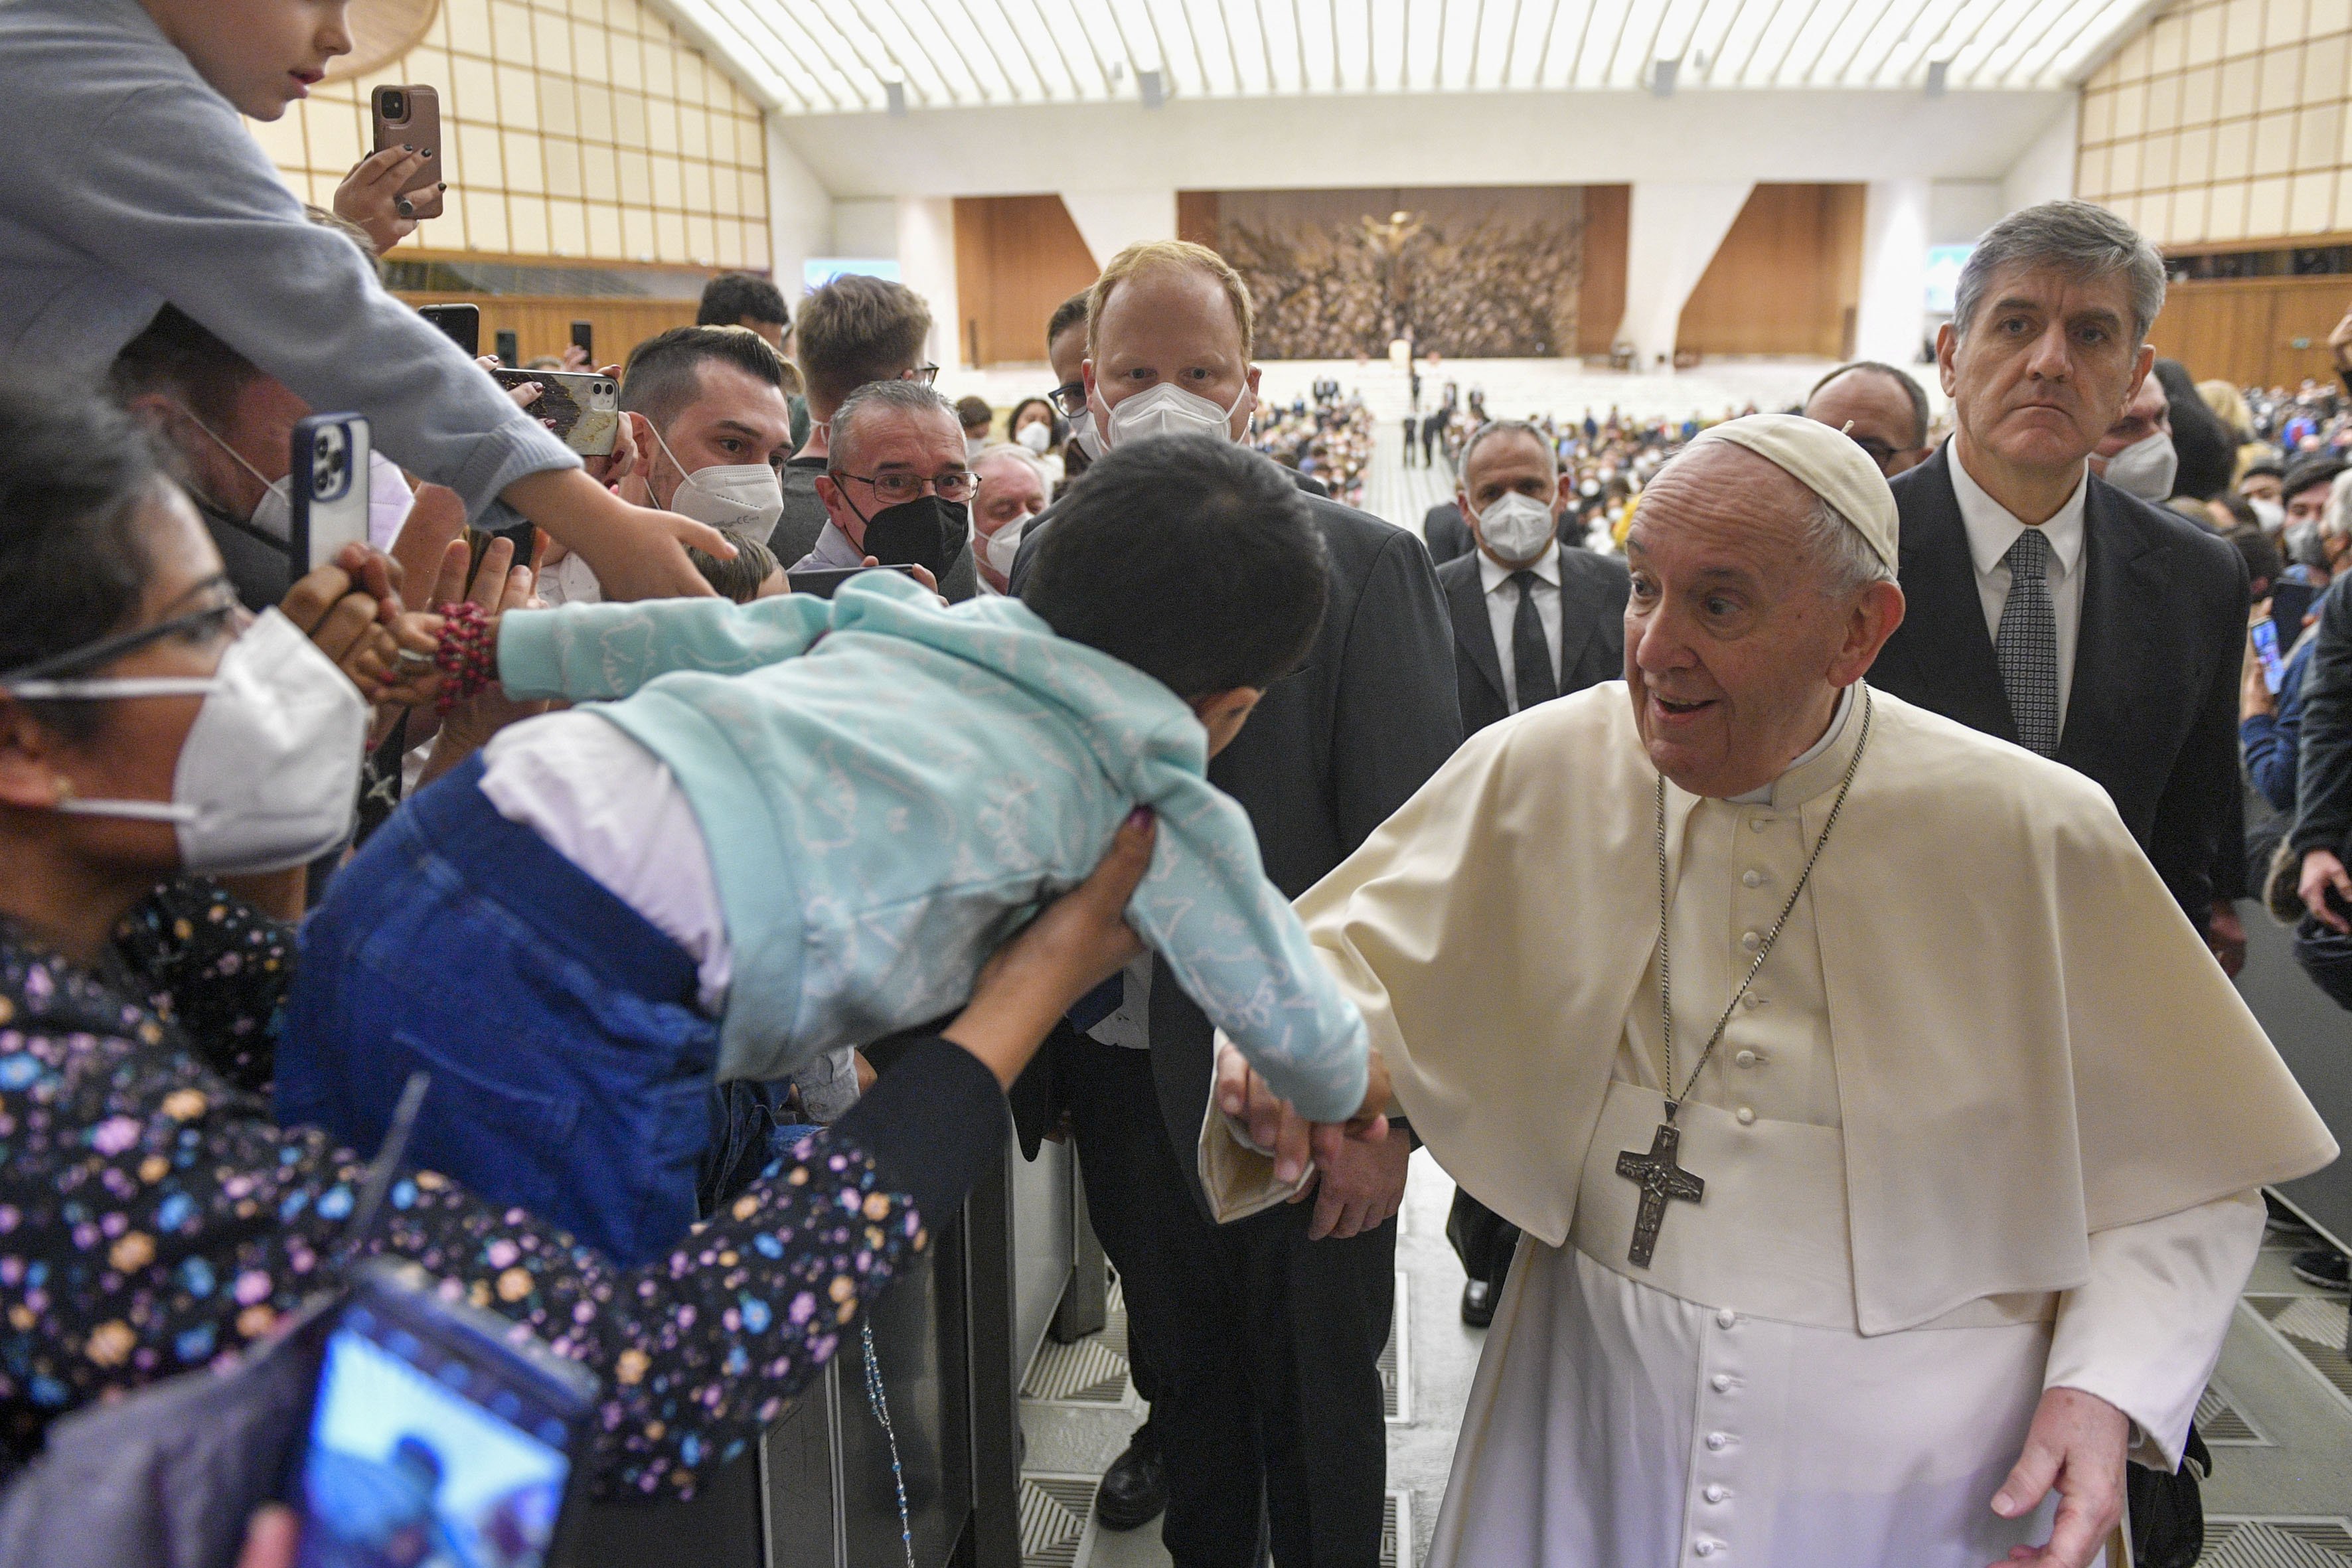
571 128
2225 121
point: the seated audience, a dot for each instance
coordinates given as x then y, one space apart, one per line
166 1218
757 872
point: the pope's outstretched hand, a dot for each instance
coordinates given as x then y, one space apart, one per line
1243 1095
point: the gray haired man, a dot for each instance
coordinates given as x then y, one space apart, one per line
2048 607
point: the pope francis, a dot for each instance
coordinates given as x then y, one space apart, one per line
1886 1143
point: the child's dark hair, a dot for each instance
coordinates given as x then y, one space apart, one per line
739 579
1195 559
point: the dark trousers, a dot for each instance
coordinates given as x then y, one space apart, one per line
1482 1238
1265 1345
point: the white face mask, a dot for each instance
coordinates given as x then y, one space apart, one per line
2145 468
274 514
1168 409
569 582
1001 549
973 445
1516 528
390 499
1036 437
269 774
2269 513
741 499
1083 435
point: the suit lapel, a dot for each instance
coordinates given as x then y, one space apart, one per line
1950 650
2122 578
1475 631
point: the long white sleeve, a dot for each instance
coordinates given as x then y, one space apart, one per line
2144 1331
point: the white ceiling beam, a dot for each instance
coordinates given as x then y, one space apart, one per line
2116 24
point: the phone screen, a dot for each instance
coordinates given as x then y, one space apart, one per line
426 1451
2267 648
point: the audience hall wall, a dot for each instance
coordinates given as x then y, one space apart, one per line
2225 121
581 129
1608 231
2245 329
542 324
1016 259
1786 280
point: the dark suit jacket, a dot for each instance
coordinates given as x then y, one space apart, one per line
2153 713
1447 536
1592 594
1331 750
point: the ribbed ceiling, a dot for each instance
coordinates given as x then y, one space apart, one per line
825 57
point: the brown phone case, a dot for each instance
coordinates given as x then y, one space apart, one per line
411 116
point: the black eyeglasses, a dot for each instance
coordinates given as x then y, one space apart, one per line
204 625
1070 397
896 488
925 374
1878 452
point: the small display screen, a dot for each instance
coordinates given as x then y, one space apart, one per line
422 1457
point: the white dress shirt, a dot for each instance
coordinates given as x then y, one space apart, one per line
1992 530
1503 609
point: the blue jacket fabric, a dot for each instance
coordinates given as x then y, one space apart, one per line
890 788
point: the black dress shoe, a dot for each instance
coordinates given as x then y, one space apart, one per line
1478 1303
1134 1490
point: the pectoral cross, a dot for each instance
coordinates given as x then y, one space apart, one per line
1660 1178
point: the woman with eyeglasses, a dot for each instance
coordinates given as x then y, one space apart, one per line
152 1215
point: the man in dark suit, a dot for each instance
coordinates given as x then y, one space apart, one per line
1447 536
1265 1334
2046 606
1533 619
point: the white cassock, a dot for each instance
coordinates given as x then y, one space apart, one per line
2001 1131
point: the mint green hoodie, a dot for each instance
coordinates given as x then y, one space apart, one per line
890 788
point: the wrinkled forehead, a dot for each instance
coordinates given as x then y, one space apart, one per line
1720 502
887 438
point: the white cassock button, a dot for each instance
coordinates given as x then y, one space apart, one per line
1716 1494
1722 1380
1704 1549
1751 1000
1717 1441
1752 879
1750 940
1759 824
1747 1115
1744 1058
1725 1317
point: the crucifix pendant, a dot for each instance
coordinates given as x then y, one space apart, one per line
1660 1178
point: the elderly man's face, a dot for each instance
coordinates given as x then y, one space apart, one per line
2045 368
926 443
1172 325
1876 414
1734 656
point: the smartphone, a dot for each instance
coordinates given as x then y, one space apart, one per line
437 1434
584 408
2267 648
583 338
462 323
826 581
411 116
329 474
509 348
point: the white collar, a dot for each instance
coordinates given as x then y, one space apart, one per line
1763 794
1992 528
1493 574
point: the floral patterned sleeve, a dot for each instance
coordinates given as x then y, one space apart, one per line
152 1217
216 966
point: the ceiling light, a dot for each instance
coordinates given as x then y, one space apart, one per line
1153 86
1662 78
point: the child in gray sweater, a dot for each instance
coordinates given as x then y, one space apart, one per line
136 183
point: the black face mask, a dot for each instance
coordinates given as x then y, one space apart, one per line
926 532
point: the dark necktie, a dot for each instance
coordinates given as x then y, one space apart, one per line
1530 654
2027 644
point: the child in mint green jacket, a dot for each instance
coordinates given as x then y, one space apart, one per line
837 810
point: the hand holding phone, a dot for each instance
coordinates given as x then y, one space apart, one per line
409 118
329 476
2264 637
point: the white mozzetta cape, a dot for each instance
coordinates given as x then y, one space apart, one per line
2031 1043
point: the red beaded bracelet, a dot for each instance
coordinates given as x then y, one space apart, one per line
468 655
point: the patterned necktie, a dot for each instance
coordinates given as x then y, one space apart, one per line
2027 644
1531 653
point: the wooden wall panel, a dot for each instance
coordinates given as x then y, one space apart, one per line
1600 299
1786 278
542 324
1196 218
2245 329
1017 258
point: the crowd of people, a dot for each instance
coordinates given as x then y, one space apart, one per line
677 865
